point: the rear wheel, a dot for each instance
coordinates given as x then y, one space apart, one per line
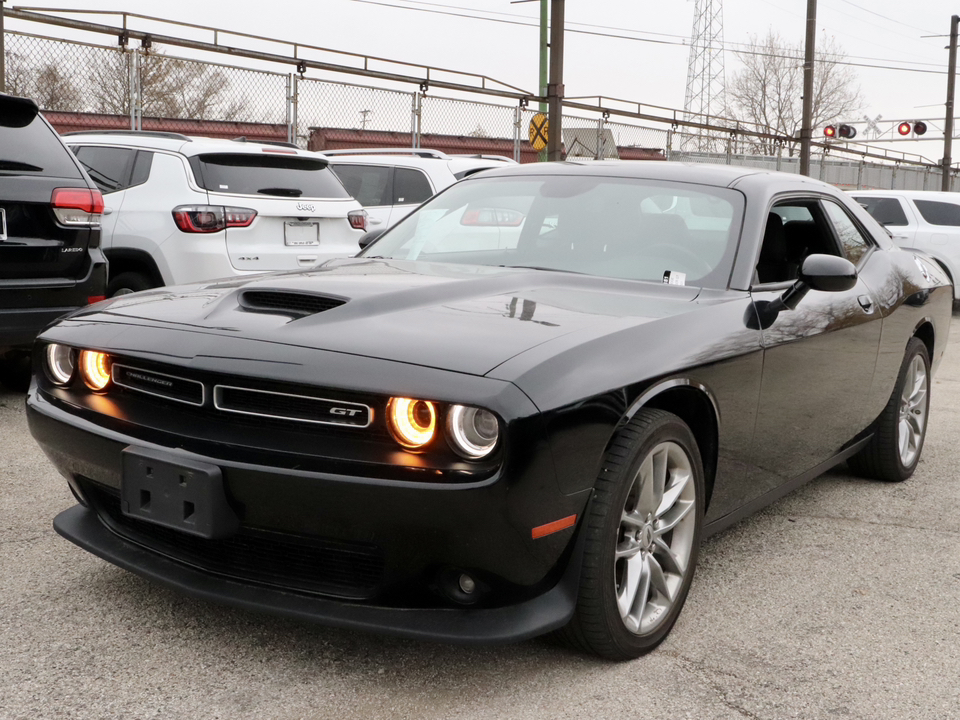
894 450
128 282
642 539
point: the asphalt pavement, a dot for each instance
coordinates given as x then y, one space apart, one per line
840 601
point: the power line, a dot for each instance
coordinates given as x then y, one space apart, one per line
897 22
661 42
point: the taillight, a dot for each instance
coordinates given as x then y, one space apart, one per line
77 206
358 219
211 218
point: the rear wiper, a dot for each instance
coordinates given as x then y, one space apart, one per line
282 192
17 165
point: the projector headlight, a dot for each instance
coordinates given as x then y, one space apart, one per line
473 432
61 362
95 369
413 423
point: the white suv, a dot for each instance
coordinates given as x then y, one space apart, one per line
184 209
391 183
923 220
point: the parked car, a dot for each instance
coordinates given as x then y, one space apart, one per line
50 256
484 445
182 209
391 183
923 220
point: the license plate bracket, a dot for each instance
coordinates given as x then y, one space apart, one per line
301 233
177 493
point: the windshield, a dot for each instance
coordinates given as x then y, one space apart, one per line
613 227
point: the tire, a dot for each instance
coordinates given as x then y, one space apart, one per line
128 282
894 450
624 549
15 371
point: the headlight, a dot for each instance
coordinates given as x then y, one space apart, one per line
473 431
412 422
61 362
95 369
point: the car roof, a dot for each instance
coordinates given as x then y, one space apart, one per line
417 158
719 175
917 194
183 144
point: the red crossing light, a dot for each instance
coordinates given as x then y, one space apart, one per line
904 128
919 127
830 131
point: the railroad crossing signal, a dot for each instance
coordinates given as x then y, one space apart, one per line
539 127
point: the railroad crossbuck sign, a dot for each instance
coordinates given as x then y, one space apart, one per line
539 126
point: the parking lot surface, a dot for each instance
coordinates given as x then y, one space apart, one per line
840 601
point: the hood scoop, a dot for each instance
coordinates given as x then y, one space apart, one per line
286 302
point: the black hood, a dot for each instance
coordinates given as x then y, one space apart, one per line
464 318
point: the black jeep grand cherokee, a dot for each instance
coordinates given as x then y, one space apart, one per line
50 257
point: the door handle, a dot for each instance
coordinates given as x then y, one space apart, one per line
866 303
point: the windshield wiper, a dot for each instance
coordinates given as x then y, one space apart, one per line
537 267
282 192
17 165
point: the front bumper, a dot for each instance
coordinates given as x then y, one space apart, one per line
513 623
423 533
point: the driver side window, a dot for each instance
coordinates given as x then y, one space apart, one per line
794 229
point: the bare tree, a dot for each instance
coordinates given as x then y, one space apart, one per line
769 89
169 87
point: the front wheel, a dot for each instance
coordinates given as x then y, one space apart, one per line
894 450
128 282
642 538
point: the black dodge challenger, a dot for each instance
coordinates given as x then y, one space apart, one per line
517 411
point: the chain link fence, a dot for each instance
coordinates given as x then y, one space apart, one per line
85 86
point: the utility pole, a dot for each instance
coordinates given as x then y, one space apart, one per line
555 86
806 124
544 44
948 125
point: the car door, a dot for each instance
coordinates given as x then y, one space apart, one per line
895 214
820 358
372 187
411 188
111 169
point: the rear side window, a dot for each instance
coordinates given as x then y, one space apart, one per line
854 243
371 185
886 211
270 175
939 213
34 150
410 187
108 167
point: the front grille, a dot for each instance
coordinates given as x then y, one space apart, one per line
321 566
296 304
285 406
151 382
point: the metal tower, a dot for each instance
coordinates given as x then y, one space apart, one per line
705 76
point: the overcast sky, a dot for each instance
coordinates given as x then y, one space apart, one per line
453 34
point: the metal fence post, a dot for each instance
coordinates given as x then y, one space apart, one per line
730 138
779 155
860 173
416 118
136 90
291 126
823 165
893 176
668 150
517 120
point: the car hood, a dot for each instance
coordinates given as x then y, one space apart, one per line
464 318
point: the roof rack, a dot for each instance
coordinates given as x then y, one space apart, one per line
417 152
501 158
139 133
278 143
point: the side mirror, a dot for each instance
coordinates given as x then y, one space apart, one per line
824 273
369 237
828 273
